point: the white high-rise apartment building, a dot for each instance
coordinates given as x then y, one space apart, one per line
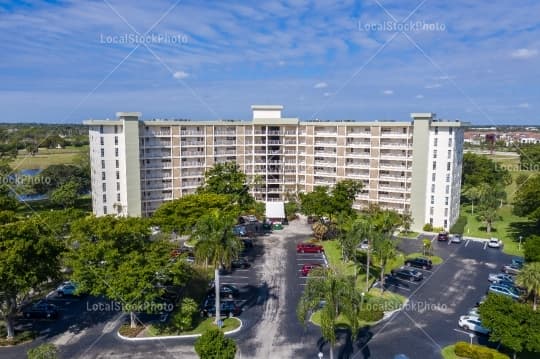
406 166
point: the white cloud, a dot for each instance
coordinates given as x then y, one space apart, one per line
320 85
524 105
180 75
446 77
419 96
433 86
326 94
524 53
388 92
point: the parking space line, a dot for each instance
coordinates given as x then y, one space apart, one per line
242 270
467 243
310 259
464 332
232 276
236 283
485 245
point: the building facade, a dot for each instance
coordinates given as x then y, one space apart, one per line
411 166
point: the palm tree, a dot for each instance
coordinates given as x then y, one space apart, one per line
529 277
385 250
216 245
407 220
331 287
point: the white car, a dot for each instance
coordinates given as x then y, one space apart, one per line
497 277
507 291
455 238
364 246
473 313
494 243
472 323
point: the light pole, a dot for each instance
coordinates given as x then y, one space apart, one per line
520 238
471 336
362 300
320 355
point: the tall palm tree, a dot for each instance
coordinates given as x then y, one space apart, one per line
529 277
216 245
332 287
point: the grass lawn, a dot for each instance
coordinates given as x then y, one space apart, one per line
203 326
435 259
20 337
46 157
448 353
412 235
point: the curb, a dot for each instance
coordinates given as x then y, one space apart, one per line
175 336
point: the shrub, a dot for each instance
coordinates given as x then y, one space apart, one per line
459 226
428 227
43 351
371 315
213 345
438 229
184 318
466 350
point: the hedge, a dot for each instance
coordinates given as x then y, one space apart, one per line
459 226
466 350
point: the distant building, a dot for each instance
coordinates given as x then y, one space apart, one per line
412 166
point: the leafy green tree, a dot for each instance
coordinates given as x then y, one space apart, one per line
182 214
43 351
490 199
343 194
214 345
531 249
406 221
472 194
316 203
529 278
479 169
320 230
66 195
216 244
333 288
514 325
426 245
30 257
521 179
349 236
527 199
227 178
54 176
115 257
529 157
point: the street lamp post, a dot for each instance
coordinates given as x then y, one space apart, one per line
520 238
320 355
471 336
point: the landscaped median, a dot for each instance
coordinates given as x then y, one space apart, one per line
463 350
158 332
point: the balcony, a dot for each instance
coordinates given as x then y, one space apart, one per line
355 174
225 143
186 164
357 164
356 133
192 154
325 163
155 154
324 153
225 153
156 144
192 143
192 133
402 145
358 154
225 133
394 134
358 144
158 165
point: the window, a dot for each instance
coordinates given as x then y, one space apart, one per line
434 165
101 129
434 153
104 198
436 130
432 199
118 186
450 130
446 212
433 188
445 223
404 129
117 175
450 142
117 164
115 128
104 187
102 152
118 197
101 141
431 221
448 166
447 177
103 176
116 152
449 154
446 201
433 176
104 209
431 210
116 140
447 189
435 141
102 164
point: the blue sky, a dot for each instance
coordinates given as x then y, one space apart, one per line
66 61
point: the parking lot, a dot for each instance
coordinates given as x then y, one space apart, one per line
308 259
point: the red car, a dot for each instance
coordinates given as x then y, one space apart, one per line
443 236
309 248
306 268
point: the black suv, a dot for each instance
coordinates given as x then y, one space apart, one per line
225 291
423 263
227 308
41 309
409 274
240 263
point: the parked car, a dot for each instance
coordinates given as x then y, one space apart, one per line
508 291
41 309
225 291
495 277
240 230
423 263
473 324
442 236
363 246
306 268
409 274
518 262
456 238
227 308
66 288
248 242
309 248
511 269
473 312
494 243
240 263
